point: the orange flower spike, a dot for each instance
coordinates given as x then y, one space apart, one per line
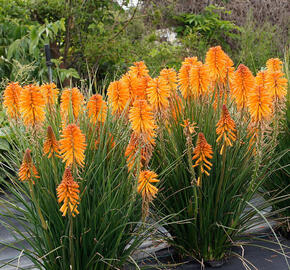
142 119
191 60
50 145
202 152
72 145
274 64
226 129
158 93
32 105
134 85
260 79
27 169
216 60
144 86
276 84
260 104
170 76
199 80
184 81
71 98
68 193
145 188
139 69
11 99
243 84
184 76
50 93
118 96
97 109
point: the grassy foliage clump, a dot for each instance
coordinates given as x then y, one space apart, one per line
63 150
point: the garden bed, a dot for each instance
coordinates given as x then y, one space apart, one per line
157 254
261 257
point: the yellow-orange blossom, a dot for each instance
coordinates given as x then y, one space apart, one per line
32 105
68 193
72 145
27 169
147 190
202 152
11 99
50 144
226 129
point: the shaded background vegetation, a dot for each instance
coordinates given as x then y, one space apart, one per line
99 39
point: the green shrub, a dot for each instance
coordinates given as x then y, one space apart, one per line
208 27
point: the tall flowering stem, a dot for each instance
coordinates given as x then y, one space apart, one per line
146 189
70 105
260 104
50 95
27 172
199 80
72 146
135 86
27 169
189 131
68 193
119 96
139 69
50 145
97 109
184 76
12 99
170 76
158 93
143 136
217 63
142 120
32 105
226 130
202 152
243 83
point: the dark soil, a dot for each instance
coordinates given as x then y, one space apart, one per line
261 254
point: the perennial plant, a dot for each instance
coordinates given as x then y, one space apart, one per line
208 131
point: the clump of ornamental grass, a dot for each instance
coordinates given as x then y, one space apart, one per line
73 195
214 152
